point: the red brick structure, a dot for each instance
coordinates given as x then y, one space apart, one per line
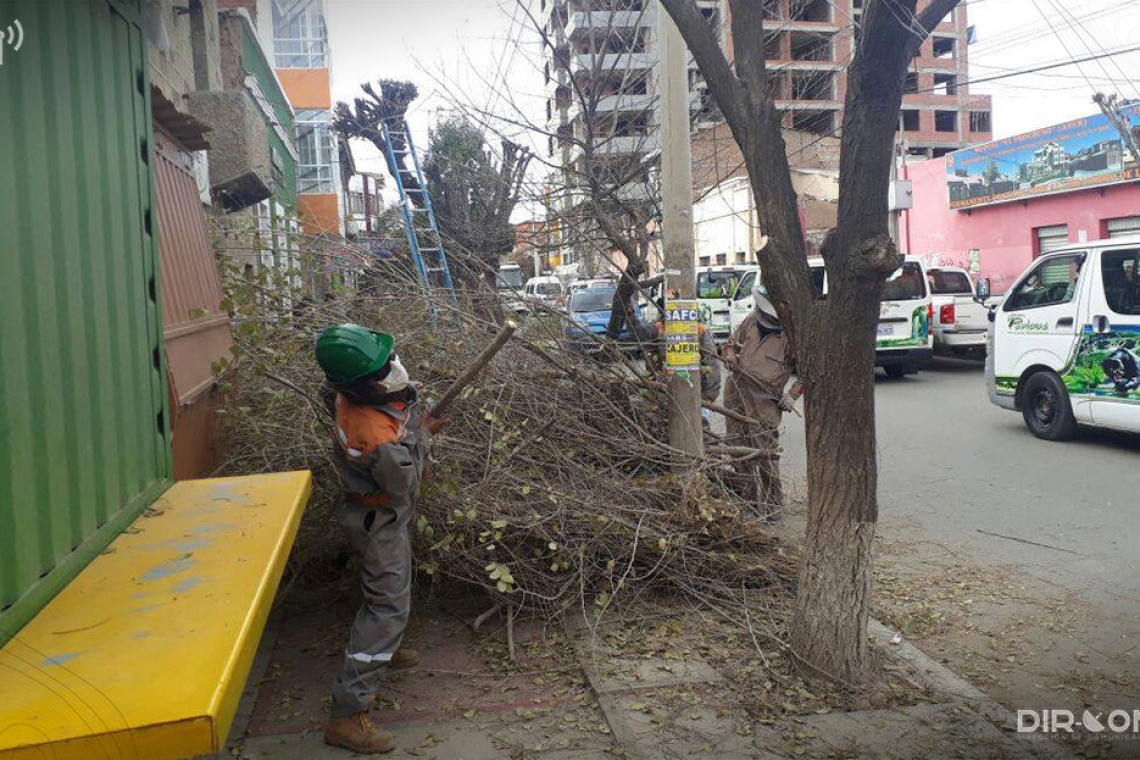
810 43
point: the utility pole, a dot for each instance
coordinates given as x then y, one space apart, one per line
1111 108
677 219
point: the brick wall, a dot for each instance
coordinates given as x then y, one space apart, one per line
173 70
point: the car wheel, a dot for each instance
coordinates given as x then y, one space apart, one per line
1046 407
895 371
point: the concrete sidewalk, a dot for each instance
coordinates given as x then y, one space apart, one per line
570 694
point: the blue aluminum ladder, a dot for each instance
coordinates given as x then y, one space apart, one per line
420 225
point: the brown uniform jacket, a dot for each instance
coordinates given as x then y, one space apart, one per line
761 369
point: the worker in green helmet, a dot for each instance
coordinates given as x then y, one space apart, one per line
382 441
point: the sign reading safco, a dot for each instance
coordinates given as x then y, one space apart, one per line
682 337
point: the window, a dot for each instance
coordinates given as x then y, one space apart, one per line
717 284
980 121
910 120
741 257
1128 225
549 109
1120 270
905 284
721 259
816 122
1052 282
945 121
1050 239
812 85
317 152
744 287
771 9
809 46
943 47
944 282
945 84
300 40
810 10
704 261
910 84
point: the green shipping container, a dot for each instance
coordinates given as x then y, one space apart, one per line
84 434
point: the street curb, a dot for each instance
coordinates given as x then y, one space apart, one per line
946 681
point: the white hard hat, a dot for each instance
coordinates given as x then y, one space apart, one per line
763 304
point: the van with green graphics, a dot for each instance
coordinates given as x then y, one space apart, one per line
904 342
1065 344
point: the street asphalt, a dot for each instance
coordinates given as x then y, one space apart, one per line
973 475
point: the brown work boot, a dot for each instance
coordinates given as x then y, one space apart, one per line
405 657
357 733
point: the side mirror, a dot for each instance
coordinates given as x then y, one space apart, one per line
982 289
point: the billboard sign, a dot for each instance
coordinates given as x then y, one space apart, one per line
1076 155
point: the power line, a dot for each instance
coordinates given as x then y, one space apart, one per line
1045 67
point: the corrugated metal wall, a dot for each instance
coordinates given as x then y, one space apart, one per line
196 330
83 422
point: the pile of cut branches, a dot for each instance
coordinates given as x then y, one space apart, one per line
553 487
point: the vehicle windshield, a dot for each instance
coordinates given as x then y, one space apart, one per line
905 284
547 289
592 299
510 279
716 284
949 283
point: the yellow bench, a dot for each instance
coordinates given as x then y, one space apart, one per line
144 656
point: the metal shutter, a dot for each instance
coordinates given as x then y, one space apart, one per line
1129 225
1050 239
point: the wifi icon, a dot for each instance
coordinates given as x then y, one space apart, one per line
12 37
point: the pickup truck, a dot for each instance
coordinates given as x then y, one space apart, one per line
960 321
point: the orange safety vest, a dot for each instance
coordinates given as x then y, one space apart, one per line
360 430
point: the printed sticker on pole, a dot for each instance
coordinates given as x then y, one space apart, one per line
682 337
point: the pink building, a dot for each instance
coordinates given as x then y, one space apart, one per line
994 208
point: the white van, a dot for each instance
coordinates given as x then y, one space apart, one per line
715 288
904 342
544 291
742 298
1063 344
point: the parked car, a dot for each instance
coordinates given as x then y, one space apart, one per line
1063 343
960 321
589 311
544 291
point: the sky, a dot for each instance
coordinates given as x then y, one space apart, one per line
461 51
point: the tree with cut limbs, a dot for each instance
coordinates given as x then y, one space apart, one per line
834 340
473 193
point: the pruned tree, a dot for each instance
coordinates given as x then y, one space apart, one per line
834 339
475 192
472 191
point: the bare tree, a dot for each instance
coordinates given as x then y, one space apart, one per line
834 340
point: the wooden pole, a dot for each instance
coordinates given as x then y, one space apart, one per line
473 369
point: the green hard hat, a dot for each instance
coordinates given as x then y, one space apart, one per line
349 352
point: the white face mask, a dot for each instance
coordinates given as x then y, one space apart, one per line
397 378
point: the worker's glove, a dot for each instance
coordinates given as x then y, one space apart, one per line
788 402
433 424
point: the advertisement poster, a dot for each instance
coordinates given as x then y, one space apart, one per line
1076 155
682 339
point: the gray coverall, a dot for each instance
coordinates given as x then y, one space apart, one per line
380 452
758 375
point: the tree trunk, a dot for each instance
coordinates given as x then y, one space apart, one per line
828 629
